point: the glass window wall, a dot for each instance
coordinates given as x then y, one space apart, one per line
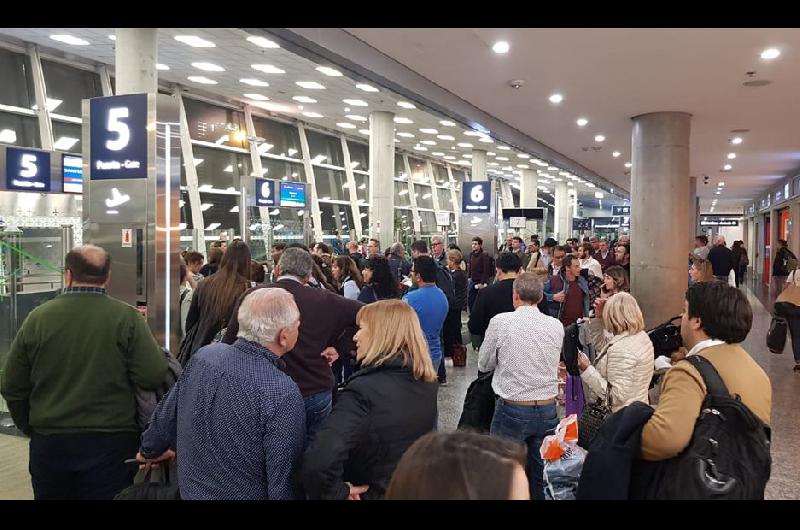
67 137
281 139
18 130
211 123
324 149
17 86
68 86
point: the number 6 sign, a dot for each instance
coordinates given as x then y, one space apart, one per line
477 197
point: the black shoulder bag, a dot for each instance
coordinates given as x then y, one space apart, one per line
594 414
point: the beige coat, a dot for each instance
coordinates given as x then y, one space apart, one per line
627 366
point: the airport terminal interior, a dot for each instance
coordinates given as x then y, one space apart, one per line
660 160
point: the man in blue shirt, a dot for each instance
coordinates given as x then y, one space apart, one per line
430 303
235 420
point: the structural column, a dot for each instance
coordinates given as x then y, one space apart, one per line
659 212
528 198
136 57
694 211
479 165
563 212
381 183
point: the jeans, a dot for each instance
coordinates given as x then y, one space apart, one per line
794 332
82 466
318 408
528 425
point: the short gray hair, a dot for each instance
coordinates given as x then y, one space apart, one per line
529 287
296 262
437 239
265 312
396 248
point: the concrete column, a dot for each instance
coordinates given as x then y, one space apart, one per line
381 185
694 211
563 212
528 198
659 189
479 165
136 57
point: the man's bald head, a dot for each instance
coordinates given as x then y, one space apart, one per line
88 264
352 246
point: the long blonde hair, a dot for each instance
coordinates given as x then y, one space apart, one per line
621 313
394 331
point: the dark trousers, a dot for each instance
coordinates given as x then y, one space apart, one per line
794 331
472 294
82 466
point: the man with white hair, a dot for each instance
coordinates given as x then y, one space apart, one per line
439 251
236 420
721 258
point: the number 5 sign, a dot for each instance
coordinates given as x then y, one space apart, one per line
477 197
118 137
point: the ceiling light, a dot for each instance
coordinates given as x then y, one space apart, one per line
429 131
628 164
257 97
311 85
447 123
262 42
727 167
202 80
503 147
588 184
486 140
501 46
364 131
255 82
731 156
428 142
275 107
346 125
69 39
616 154
309 114
267 69
717 192
471 133
598 195
65 143
448 157
420 148
366 88
552 168
406 105
356 117
464 144
582 122
721 184
330 72
401 119
523 166
208 67
112 37
405 135
556 98
445 137
304 99
503 158
599 138
160 66
770 53
355 102
737 140
467 155
195 41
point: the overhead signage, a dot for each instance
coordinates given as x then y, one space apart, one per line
620 211
582 224
476 197
265 192
625 223
118 137
719 222
293 194
516 222
530 214
72 172
27 170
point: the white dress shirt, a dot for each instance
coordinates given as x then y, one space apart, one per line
524 349
703 344
593 265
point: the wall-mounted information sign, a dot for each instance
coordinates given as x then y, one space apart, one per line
118 137
293 194
476 197
27 170
620 210
265 192
581 224
72 171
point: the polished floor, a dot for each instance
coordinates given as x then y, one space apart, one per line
784 483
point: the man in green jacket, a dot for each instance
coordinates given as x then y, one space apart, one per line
69 383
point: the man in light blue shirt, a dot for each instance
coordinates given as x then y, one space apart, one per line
430 303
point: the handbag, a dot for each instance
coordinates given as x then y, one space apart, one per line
479 404
154 484
776 336
666 338
459 355
594 415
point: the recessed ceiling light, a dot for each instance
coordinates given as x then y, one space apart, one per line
501 46
445 137
486 140
737 140
523 166
304 99
616 154
262 42
330 72
257 97
364 131
406 105
721 184
467 155
355 102
346 125
195 41
366 88
112 37
429 131
464 144
471 133
428 142
401 119
255 82
311 85
356 117
447 123
275 107
503 158
208 67
599 138
201 79
731 156
420 148
503 147
69 39
582 122
628 164
552 168
717 193
310 114
523 155
727 167
448 157
437 153
770 53
267 68
405 135
556 98
160 66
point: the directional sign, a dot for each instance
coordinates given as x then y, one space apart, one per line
265 192
27 170
118 137
476 198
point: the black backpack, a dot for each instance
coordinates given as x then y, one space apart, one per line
728 456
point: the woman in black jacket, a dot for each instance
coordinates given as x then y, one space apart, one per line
379 284
381 411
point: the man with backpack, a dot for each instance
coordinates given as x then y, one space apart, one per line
714 409
784 263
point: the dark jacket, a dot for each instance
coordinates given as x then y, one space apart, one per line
399 267
780 266
326 319
377 416
459 288
607 470
479 267
491 301
359 259
554 307
721 259
608 261
208 269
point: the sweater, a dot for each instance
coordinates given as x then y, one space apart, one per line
669 430
479 270
73 364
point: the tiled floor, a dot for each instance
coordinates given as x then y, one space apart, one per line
784 483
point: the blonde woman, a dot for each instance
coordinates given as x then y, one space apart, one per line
701 271
383 409
624 361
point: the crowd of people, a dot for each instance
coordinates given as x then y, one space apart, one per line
316 375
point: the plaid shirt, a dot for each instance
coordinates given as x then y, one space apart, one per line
95 290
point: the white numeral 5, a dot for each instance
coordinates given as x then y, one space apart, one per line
29 168
121 128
